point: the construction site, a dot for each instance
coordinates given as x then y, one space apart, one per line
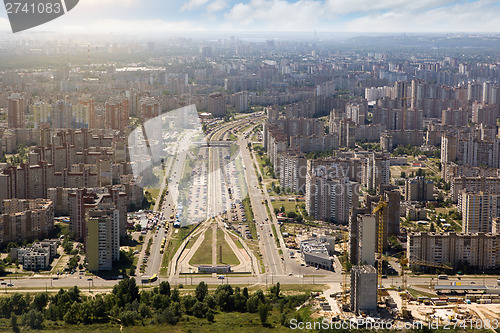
368 297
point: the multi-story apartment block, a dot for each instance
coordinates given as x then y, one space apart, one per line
376 171
474 184
453 117
25 220
102 241
150 108
330 196
479 209
292 170
83 200
116 114
367 239
474 250
15 111
419 189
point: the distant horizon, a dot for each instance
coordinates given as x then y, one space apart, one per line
316 36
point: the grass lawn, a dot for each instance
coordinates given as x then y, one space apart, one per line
263 169
173 244
192 241
228 256
276 236
224 322
154 192
204 253
236 241
418 293
250 216
289 205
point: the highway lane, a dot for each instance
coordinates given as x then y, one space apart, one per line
176 164
267 243
309 276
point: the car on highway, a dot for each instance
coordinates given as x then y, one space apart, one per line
220 277
10 285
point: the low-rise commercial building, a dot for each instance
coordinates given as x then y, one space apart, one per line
315 253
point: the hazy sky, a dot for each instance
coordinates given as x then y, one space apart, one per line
162 16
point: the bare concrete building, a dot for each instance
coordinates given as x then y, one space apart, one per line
363 289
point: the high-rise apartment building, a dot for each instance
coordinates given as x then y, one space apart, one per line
15 111
367 239
150 108
329 195
88 102
116 114
216 104
60 115
457 250
102 241
41 113
478 210
23 220
419 189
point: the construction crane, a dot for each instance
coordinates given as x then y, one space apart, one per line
345 285
403 261
380 241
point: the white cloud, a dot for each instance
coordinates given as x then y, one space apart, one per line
277 14
94 3
217 6
368 6
194 4
369 15
478 16
131 26
4 24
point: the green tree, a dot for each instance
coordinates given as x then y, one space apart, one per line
201 291
165 288
33 319
263 310
126 292
188 302
13 323
128 318
210 315
40 301
200 309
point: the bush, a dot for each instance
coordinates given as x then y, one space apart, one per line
210 315
263 312
128 318
33 319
